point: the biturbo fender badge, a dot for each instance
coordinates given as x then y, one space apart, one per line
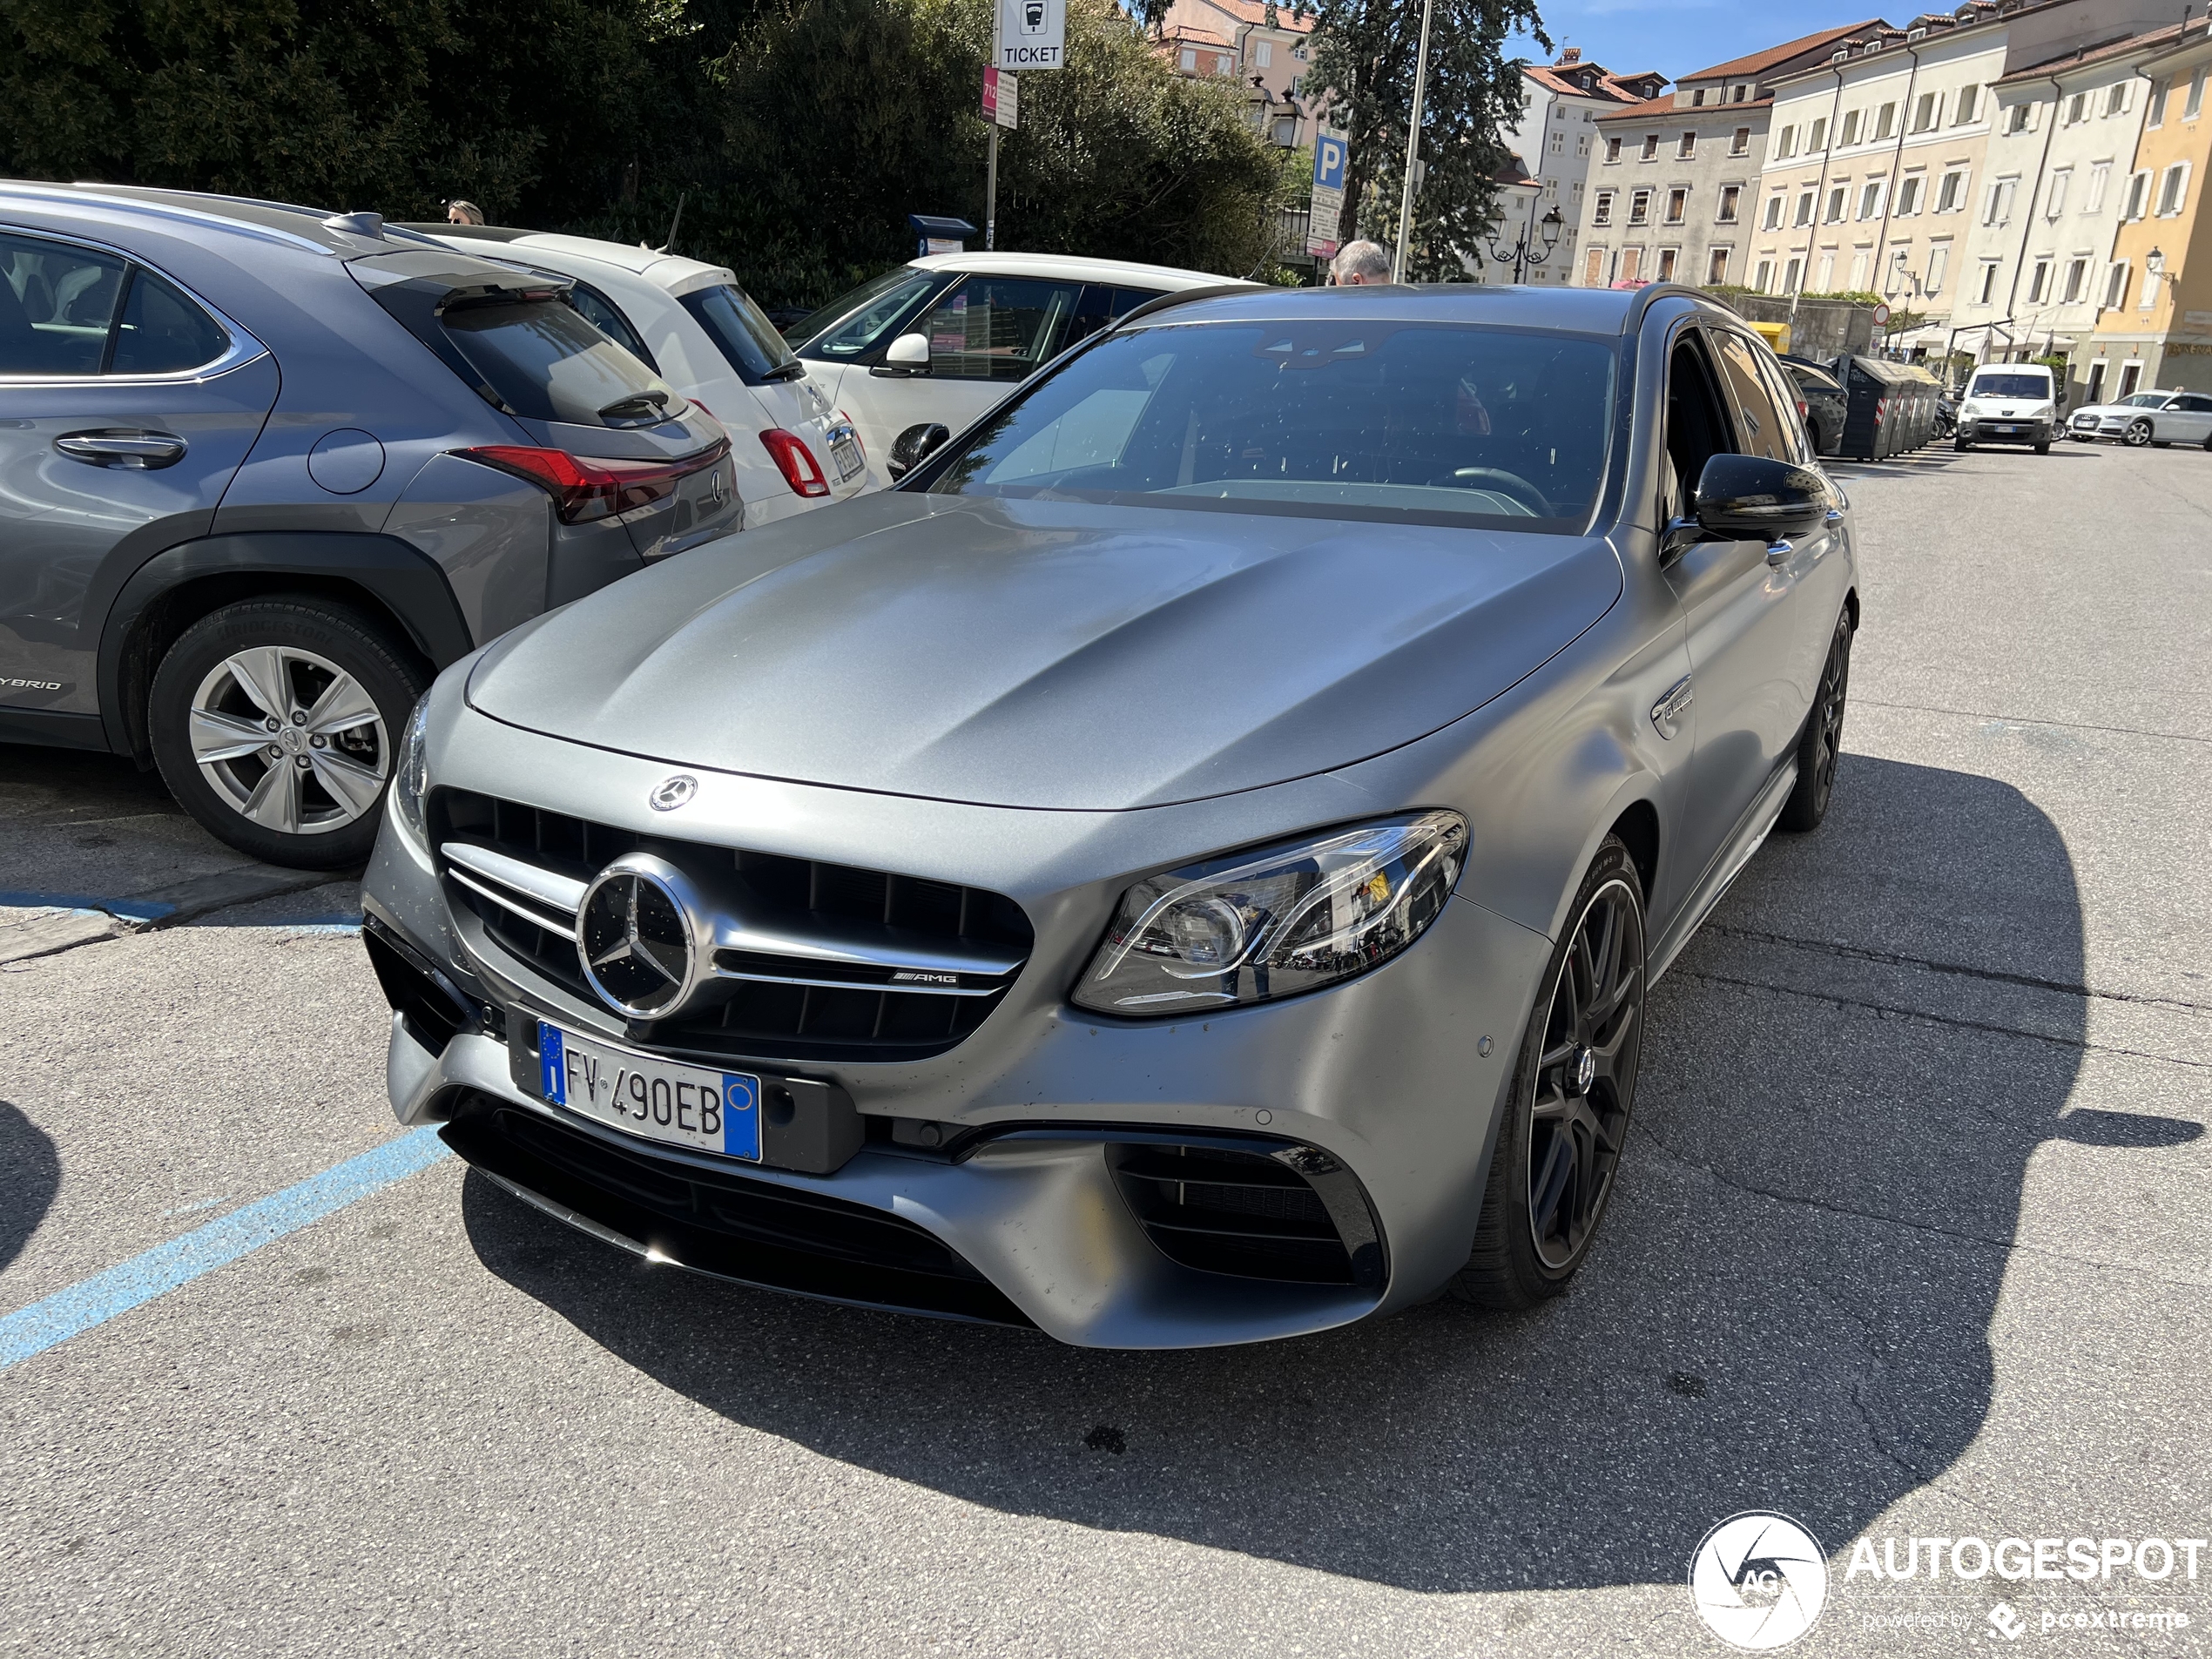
671 793
642 939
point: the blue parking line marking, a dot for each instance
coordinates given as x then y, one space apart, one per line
87 904
101 1298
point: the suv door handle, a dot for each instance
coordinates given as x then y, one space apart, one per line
139 450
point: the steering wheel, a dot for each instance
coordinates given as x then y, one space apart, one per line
1515 484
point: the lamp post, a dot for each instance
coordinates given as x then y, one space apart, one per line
1413 150
1522 254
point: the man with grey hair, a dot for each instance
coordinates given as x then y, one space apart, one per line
1358 264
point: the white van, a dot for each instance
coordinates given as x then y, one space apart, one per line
2010 403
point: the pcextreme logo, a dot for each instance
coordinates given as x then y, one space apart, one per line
1760 1580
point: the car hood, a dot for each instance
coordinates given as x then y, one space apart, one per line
2101 409
1049 654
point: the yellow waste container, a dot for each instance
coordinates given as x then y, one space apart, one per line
1775 334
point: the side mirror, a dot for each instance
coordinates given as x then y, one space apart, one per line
916 445
1742 498
908 354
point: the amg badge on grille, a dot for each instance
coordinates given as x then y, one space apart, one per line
671 793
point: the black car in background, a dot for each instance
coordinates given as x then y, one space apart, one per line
1825 402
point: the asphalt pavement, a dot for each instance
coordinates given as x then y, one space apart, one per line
1914 1240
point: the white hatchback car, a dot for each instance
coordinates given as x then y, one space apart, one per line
943 339
2147 418
694 326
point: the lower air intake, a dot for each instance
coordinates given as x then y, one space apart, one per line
1252 1211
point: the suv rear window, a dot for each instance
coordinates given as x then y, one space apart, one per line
741 332
547 363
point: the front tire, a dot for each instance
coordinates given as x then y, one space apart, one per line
1960 444
274 721
2138 436
1559 1150
1822 740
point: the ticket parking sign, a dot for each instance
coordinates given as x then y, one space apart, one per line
1033 34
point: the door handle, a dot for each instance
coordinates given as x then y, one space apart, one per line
138 450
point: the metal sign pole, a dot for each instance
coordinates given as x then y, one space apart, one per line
1413 150
991 195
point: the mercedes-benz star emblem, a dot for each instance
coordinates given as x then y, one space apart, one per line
671 793
636 942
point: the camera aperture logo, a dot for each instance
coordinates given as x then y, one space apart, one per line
1760 1580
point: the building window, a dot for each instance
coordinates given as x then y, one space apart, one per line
1594 268
1739 142
1969 106
1870 200
2077 276
1988 287
2039 281
1190 61
1786 145
1697 99
1885 123
2173 189
1805 210
2019 118
2155 116
1939 262
1773 219
1818 137
1851 130
1640 207
1612 150
1908 195
1835 198
1602 212
2131 376
2096 394
1951 197
1827 273
1764 276
1997 208
2149 299
1558 145
2077 109
1651 146
1790 277
1677 205
2055 203
1666 265
2138 196
2191 110
1716 267
2095 198
1631 264
1687 148
1739 95
1266 55
1924 113
2116 284
1729 195
1581 144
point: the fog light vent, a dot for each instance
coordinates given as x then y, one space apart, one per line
1284 1213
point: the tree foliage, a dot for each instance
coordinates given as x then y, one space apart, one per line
1362 66
798 134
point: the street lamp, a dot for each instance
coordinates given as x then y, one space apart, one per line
1521 255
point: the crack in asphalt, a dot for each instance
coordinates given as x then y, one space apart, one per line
2022 719
2006 1246
1894 959
1890 1011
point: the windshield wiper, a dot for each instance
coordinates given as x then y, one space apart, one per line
790 369
640 408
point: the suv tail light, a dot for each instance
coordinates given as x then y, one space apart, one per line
795 461
586 487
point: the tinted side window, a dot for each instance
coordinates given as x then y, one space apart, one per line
748 340
599 310
1786 396
1761 429
56 306
997 328
162 331
2195 403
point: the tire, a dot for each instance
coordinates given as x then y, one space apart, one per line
306 793
1960 444
1558 1151
2044 448
1821 741
2138 436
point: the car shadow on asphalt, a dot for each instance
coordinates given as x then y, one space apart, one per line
1789 1307
31 1174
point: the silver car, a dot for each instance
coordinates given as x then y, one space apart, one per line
1186 867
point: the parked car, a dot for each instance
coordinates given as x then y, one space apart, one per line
1172 839
268 469
692 325
943 339
1826 403
2147 418
2010 403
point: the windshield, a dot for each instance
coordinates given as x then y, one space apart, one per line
2146 400
1322 417
548 364
744 337
2010 386
848 327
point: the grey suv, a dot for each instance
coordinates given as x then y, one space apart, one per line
265 469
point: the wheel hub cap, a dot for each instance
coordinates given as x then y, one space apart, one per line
1585 1071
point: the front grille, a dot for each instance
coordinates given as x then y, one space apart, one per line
1251 1214
796 1004
730 1225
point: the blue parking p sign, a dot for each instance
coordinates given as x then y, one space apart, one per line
1328 162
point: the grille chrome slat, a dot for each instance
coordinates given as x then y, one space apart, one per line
487 890
562 894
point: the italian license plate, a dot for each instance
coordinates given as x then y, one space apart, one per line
845 452
2005 429
658 1100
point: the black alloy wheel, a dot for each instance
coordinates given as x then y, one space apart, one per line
2138 434
1553 1171
1822 741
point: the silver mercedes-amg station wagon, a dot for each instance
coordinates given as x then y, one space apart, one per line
1187 867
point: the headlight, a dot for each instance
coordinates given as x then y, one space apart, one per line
411 772
1257 926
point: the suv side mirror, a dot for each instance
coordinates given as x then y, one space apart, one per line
908 354
1744 498
916 445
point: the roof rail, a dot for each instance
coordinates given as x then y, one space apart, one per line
1177 298
1650 293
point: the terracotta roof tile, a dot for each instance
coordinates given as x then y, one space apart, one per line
1773 57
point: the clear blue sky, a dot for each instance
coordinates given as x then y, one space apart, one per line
1675 37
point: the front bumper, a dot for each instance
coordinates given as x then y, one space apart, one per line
1986 430
1026 1210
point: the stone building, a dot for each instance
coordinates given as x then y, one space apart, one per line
1553 140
